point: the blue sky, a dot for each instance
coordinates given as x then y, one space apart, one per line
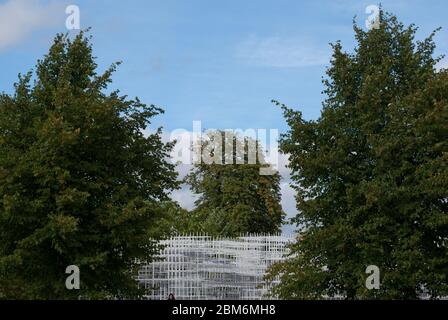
220 62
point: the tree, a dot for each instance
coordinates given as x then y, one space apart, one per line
80 184
176 220
233 197
371 173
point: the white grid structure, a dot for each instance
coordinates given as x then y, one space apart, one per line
201 267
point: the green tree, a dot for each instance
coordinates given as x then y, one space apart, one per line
80 184
176 220
234 198
371 173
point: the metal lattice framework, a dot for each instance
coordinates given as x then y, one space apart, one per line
201 267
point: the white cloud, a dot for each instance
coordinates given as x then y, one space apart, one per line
283 162
282 52
184 197
287 192
20 18
442 64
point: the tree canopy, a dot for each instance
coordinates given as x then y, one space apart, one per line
371 173
80 183
234 198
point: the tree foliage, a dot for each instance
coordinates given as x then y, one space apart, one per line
175 220
80 184
371 173
234 198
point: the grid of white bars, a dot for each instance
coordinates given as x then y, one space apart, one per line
200 267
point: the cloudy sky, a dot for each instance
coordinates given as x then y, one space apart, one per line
220 62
